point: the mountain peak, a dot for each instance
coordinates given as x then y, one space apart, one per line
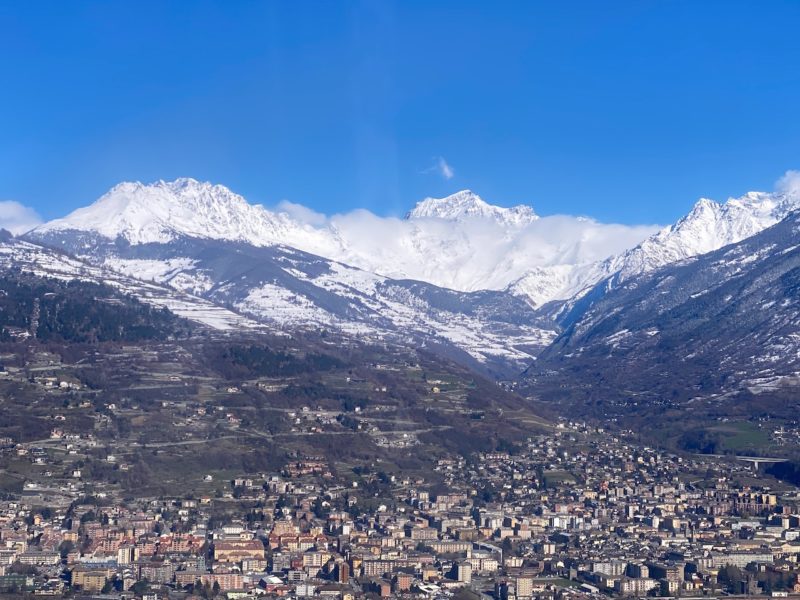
467 204
164 210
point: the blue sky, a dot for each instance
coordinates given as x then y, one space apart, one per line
625 111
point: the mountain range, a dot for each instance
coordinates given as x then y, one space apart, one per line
459 242
494 287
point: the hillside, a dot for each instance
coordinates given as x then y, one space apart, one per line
718 334
170 401
76 311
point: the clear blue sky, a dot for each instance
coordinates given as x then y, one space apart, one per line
625 111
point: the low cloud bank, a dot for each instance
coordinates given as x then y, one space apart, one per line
17 218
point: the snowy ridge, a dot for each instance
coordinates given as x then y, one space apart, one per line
166 210
289 289
44 262
708 227
376 299
560 282
467 204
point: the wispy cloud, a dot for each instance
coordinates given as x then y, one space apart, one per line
17 218
441 167
445 170
302 213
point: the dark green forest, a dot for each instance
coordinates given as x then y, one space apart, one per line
79 312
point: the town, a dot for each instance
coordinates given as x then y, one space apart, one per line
574 513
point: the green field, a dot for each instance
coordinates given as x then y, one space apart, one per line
738 436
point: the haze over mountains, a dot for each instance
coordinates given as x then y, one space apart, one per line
492 285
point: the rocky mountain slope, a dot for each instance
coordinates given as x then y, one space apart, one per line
291 290
700 328
19 256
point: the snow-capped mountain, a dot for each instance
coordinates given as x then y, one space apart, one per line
206 241
460 242
709 226
720 323
702 309
466 205
167 210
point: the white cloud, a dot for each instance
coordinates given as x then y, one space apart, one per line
789 184
442 167
302 213
466 254
17 218
445 170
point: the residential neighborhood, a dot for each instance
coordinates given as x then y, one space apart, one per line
577 513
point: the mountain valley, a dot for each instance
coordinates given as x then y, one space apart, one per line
699 313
